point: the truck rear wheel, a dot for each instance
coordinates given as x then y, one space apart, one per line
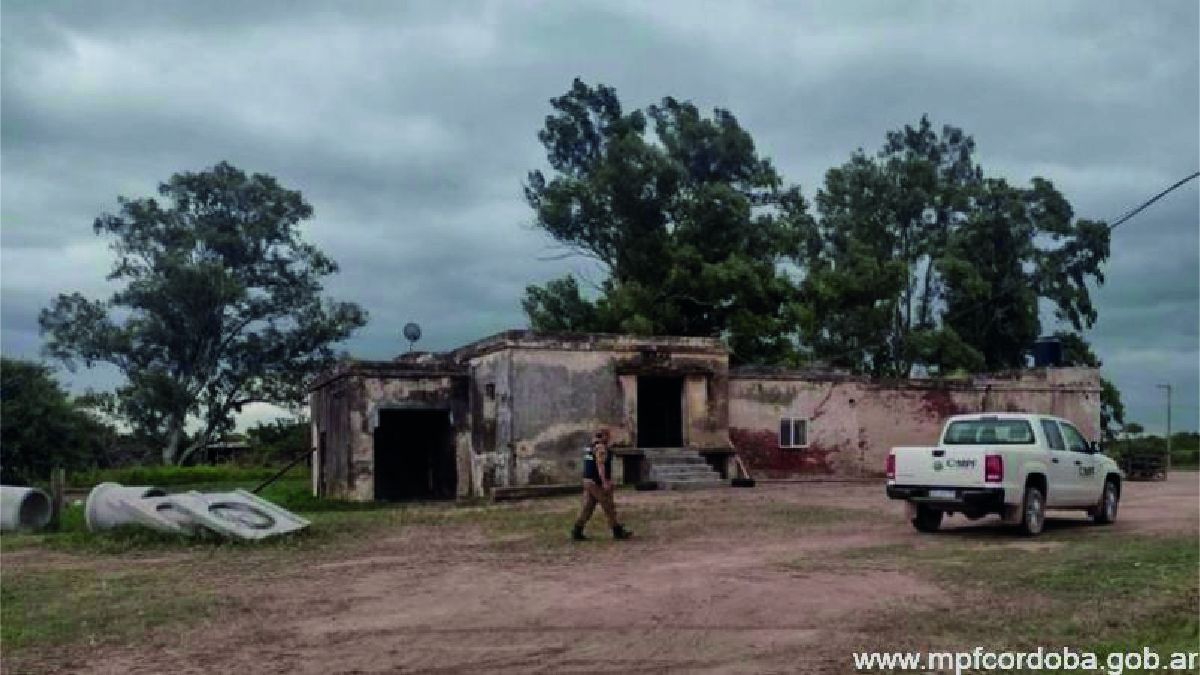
928 519
1033 511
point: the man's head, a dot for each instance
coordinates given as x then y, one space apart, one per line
601 436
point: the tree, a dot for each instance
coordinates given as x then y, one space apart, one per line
41 427
918 258
873 287
279 440
689 224
220 306
1077 352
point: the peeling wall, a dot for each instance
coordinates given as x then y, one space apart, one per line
853 423
559 398
490 451
345 411
524 404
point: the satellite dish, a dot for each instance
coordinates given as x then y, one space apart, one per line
412 333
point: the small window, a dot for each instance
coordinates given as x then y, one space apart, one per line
1075 441
793 433
1053 435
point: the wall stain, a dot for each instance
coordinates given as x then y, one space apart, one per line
761 452
938 404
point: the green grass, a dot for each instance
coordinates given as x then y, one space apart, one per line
54 607
1090 590
168 476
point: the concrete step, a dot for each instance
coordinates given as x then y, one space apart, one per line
668 452
680 469
698 484
682 472
672 456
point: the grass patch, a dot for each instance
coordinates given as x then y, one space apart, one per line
42 608
168 476
1096 591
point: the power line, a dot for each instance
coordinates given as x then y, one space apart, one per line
1153 199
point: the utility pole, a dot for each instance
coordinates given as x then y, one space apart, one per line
1168 388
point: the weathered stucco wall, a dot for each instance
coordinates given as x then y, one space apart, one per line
852 423
345 407
490 456
558 399
409 393
523 405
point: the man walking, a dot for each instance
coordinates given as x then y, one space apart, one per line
598 488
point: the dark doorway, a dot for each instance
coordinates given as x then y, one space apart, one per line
659 412
414 455
322 468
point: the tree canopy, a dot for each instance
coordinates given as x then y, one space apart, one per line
1078 352
918 258
219 307
42 427
689 223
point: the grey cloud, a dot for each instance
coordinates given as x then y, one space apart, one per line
410 127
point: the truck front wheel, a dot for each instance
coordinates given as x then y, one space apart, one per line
928 519
1106 511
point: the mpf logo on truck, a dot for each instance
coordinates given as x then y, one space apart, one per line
938 464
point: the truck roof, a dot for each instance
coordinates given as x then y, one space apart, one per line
1029 417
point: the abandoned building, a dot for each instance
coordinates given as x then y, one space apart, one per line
515 409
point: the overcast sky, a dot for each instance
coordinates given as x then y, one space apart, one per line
410 126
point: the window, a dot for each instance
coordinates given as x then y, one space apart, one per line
1075 441
989 432
1053 435
793 433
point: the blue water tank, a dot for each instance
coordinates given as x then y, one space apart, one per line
1047 353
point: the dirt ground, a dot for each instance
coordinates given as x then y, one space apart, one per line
710 598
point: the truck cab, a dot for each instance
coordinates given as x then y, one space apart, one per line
1015 465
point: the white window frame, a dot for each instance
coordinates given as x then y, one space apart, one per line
793 423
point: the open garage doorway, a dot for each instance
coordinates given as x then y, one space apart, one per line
659 412
414 455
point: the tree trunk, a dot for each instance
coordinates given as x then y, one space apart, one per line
171 451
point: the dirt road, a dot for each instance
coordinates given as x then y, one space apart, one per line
716 590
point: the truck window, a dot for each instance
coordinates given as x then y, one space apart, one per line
1075 442
1053 435
989 432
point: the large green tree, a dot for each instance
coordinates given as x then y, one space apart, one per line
220 306
42 427
690 225
917 258
1076 351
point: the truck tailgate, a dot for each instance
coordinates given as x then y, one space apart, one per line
948 466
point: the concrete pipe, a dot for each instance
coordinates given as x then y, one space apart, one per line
107 505
23 508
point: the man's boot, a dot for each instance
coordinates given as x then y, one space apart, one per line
577 533
619 532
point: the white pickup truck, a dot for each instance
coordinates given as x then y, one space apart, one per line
1014 465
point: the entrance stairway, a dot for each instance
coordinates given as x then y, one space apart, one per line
680 469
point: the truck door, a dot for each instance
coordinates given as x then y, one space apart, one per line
1084 465
1061 466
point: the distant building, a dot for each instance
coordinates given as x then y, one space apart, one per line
515 409
222 451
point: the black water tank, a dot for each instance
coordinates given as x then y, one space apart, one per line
1047 353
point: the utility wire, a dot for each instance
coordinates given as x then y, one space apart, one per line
1153 199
